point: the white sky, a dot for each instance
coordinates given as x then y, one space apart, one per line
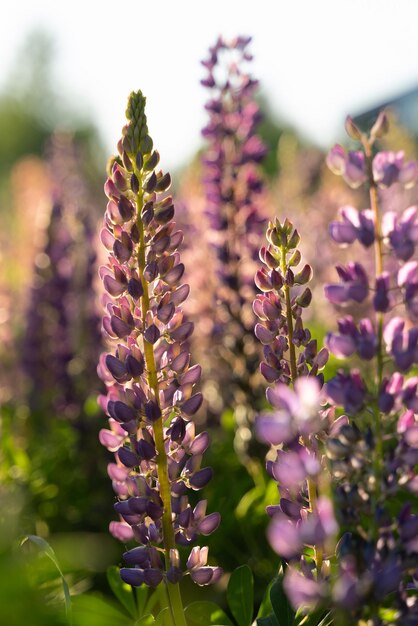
316 60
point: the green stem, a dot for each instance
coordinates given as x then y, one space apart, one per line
175 602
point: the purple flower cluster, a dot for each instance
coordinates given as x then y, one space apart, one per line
304 518
233 187
232 181
345 524
151 397
373 454
60 315
388 168
279 308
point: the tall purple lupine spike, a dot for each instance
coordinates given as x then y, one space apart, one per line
60 308
151 398
373 452
233 186
304 516
232 180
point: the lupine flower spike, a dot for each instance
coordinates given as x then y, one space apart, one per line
373 454
233 187
151 398
60 311
304 516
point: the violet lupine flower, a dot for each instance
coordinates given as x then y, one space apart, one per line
47 348
350 165
408 280
151 397
280 305
351 339
401 232
233 187
373 454
388 168
401 344
353 225
354 285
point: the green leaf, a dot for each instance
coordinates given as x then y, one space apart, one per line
154 597
266 609
207 613
146 620
141 593
163 618
240 595
93 610
122 591
49 552
281 606
270 620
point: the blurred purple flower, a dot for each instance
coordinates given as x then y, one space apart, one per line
353 225
389 168
351 166
354 285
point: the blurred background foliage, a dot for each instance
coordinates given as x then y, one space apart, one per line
53 480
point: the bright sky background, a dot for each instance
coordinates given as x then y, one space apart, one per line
316 60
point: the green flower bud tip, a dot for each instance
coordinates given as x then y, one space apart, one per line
136 131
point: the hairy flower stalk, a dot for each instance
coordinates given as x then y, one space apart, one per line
151 399
233 187
297 425
373 452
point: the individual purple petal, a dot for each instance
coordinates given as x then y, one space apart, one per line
115 367
302 591
201 478
336 159
152 334
199 444
209 524
342 346
336 294
121 531
284 538
342 232
152 576
381 301
120 327
127 457
274 428
386 167
354 172
202 575
191 406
